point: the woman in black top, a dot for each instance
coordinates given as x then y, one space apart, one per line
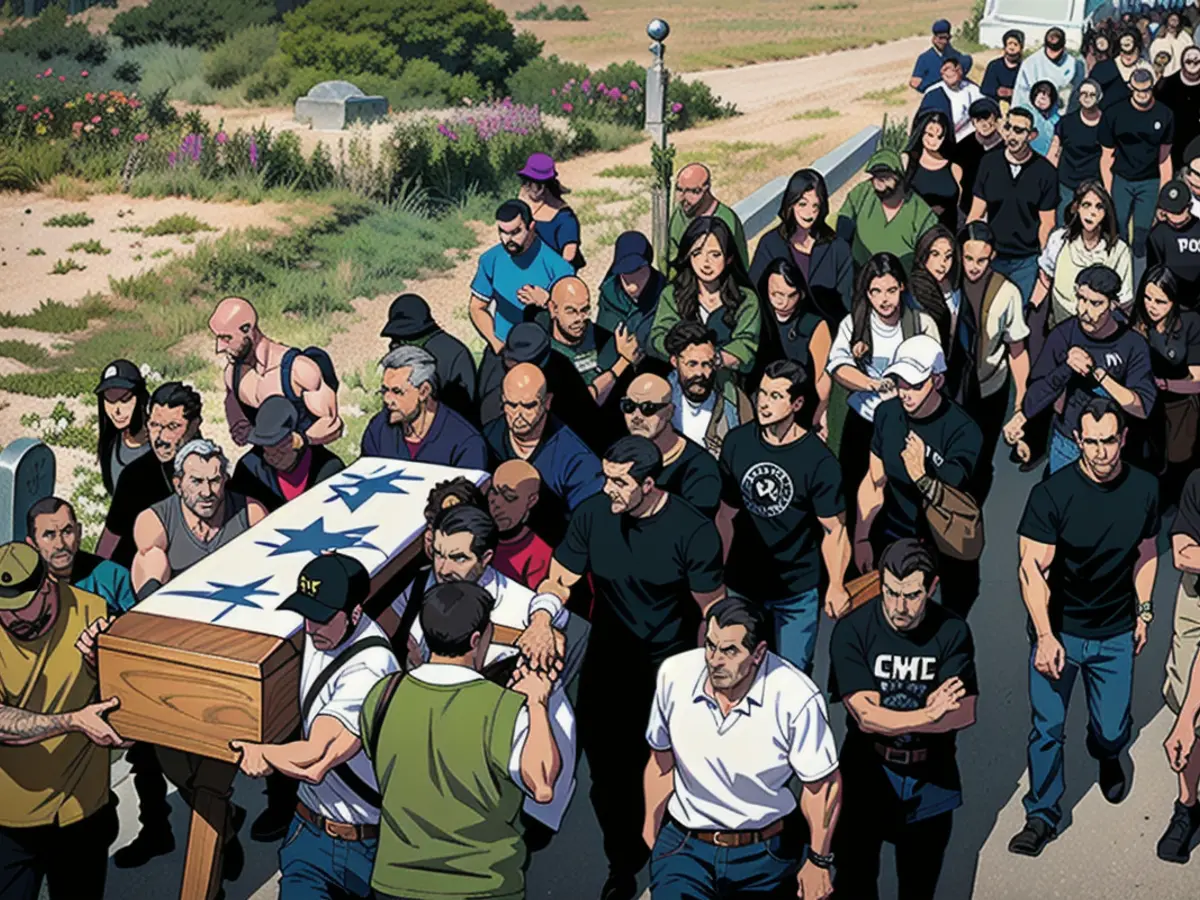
929 172
805 238
1075 150
1173 334
793 329
123 402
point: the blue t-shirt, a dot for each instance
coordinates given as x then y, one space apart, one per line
500 275
106 579
929 66
563 229
451 441
998 75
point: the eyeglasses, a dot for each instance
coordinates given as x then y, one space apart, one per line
646 407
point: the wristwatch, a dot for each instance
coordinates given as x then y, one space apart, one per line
821 862
1146 612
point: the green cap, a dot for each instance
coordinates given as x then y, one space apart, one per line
885 159
21 574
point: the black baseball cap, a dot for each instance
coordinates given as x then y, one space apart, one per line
120 374
277 419
329 584
941 26
408 318
983 108
527 342
1174 198
632 252
1056 38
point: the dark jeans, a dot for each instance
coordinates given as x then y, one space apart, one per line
920 850
854 454
151 787
683 867
72 859
990 415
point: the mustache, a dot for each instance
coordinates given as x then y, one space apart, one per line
705 380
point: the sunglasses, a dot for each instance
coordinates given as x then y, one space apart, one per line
646 407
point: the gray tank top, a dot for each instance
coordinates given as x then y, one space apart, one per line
184 549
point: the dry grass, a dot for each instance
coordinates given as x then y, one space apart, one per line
896 96
724 33
64 187
825 112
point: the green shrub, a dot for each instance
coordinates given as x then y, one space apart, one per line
49 384
24 352
894 135
65 267
54 317
165 68
533 82
182 223
49 36
542 12
968 31
59 428
92 247
70 220
356 37
240 55
36 251
190 23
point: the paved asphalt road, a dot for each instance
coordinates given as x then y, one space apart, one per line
1106 852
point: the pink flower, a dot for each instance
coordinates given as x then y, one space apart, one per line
633 86
21 107
77 126
83 74
95 120
62 77
553 92
222 137
36 116
141 138
115 132
586 85
48 72
676 107
38 75
567 107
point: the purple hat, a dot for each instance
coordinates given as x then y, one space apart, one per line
539 167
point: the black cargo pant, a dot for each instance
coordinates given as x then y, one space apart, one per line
71 859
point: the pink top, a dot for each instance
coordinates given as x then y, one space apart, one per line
295 482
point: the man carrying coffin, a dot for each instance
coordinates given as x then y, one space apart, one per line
330 847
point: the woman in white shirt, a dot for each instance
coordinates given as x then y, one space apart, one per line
1173 39
1089 238
881 316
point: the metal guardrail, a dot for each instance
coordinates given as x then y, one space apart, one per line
760 209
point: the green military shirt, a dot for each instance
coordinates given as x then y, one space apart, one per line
873 233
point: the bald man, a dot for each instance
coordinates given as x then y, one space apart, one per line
512 495
258 367
599 356
689 471
528 431
694 197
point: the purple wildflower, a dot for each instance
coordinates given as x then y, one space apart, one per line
634 86
254 154
586 86
222 137
676 107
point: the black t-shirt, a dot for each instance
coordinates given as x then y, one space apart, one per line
867 654
1184 101
695 477
644 572
1187 518
1112 84
1171 354
952 444
1137 135
1179 250
1013 204
1080 142
968 155
780 492
144 482
1095 529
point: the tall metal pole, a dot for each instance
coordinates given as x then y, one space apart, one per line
656 124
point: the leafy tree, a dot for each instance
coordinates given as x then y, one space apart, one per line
49 36
190 23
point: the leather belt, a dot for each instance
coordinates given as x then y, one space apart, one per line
339 830
738 838
901 757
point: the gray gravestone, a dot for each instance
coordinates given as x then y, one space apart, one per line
26 476
332 105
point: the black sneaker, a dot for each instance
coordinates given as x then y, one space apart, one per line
272 825
1176 843
1113 782
1033 838
149 843
233 859
619 887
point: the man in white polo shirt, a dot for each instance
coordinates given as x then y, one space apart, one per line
330 847
730 725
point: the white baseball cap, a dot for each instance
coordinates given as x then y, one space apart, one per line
917 358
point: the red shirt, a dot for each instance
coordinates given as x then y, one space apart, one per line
295 482
525 558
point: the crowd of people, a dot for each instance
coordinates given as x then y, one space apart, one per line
686 474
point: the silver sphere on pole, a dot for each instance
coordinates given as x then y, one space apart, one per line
658 30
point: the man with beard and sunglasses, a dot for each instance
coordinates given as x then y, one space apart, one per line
57 816
693 199
707 403
258 367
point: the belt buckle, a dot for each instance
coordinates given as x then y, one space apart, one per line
718 839
340 831
900 757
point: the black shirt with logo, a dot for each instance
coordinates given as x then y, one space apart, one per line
952 445
1137 135
1015 201
904 667
1179 250
695 477
780 492
644 572
1171 353
1080 143
144 482
1095 529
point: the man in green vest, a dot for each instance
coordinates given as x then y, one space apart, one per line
455 755
694 198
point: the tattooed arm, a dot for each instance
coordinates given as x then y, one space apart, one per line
19 727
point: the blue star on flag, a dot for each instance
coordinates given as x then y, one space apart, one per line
362 488
234 595
313 538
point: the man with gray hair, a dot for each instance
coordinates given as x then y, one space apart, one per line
176 533
413 425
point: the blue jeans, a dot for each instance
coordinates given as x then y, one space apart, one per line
1136 200
1107 667
796 619
1063 451
683 867
1021 271
315 866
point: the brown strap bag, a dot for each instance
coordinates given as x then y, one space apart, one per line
956 522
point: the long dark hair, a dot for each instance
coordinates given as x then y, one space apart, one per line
1164 279
1044 87
109 433
925 289
793 278
733 279
553 186
878 266
1108 228
798 185
916 141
